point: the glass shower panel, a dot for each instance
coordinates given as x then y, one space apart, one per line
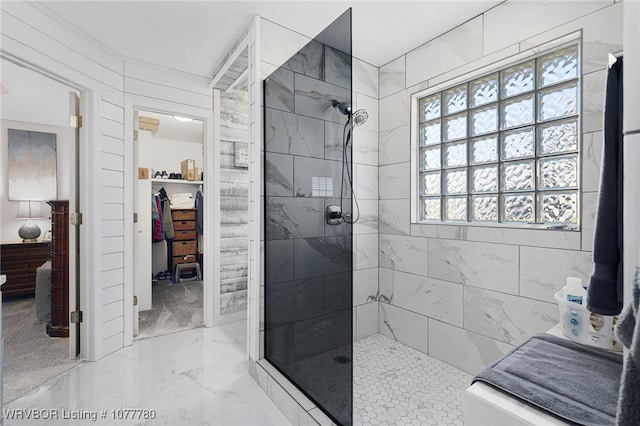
308 263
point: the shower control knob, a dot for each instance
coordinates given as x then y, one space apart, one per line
333 215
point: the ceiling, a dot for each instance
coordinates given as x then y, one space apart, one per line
196 36
175 130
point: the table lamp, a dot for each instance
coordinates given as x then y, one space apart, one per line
29 231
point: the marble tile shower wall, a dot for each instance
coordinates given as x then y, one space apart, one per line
466 295
234 201
311 146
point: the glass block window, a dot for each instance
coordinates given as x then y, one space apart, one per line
504 147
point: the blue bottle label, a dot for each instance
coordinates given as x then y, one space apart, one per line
574 299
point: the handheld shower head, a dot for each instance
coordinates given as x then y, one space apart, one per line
360 117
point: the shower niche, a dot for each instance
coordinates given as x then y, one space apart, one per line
308 262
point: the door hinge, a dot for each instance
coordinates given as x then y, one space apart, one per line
135 218
135 300
75 121
75 317
75 219
135 135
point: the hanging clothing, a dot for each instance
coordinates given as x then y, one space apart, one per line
167 222
156 220
605 291
199 212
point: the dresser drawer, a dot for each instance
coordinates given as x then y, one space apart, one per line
184 235
13 252
24 264
183 259
181 248
184 225
183 214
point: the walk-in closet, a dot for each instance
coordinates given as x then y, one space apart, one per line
169 215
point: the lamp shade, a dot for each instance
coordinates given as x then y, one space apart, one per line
29 210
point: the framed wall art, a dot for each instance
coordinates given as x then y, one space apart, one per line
32 165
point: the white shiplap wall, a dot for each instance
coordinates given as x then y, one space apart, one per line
40 40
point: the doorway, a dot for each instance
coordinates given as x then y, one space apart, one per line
41 271
168 229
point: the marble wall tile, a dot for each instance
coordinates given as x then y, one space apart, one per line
371 106
305 169
433 298
288 133
279 260
279 174
601 35
511 22
591 160
277 43
366 182
307 61
403 253
385 285
531 237
589 205
366 320
544 271
366 254
333 141
593 88
463 349
365 147
394 217
452 49
337 67
313 98
293 301
510 319
322 256
403 326
394 111
365 286
368 221
294 217
394 146
394 181
490 266
392 77
278 90
365 78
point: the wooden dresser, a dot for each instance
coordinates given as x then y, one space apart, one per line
18 261
59 325
184 248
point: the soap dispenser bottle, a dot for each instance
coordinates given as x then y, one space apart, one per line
574 292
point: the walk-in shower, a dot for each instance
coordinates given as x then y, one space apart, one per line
309 124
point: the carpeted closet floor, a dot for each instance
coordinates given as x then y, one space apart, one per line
176 307
31 357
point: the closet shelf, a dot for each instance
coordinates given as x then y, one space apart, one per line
181 181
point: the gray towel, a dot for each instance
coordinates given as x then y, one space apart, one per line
628 332
575 382
605 284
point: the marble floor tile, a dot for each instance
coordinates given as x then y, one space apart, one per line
396 385
197 376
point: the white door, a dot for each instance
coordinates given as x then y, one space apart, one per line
74 234
142 226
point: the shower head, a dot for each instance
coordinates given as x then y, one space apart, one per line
360 117
343 107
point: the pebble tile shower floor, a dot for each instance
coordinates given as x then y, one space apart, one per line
397 385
